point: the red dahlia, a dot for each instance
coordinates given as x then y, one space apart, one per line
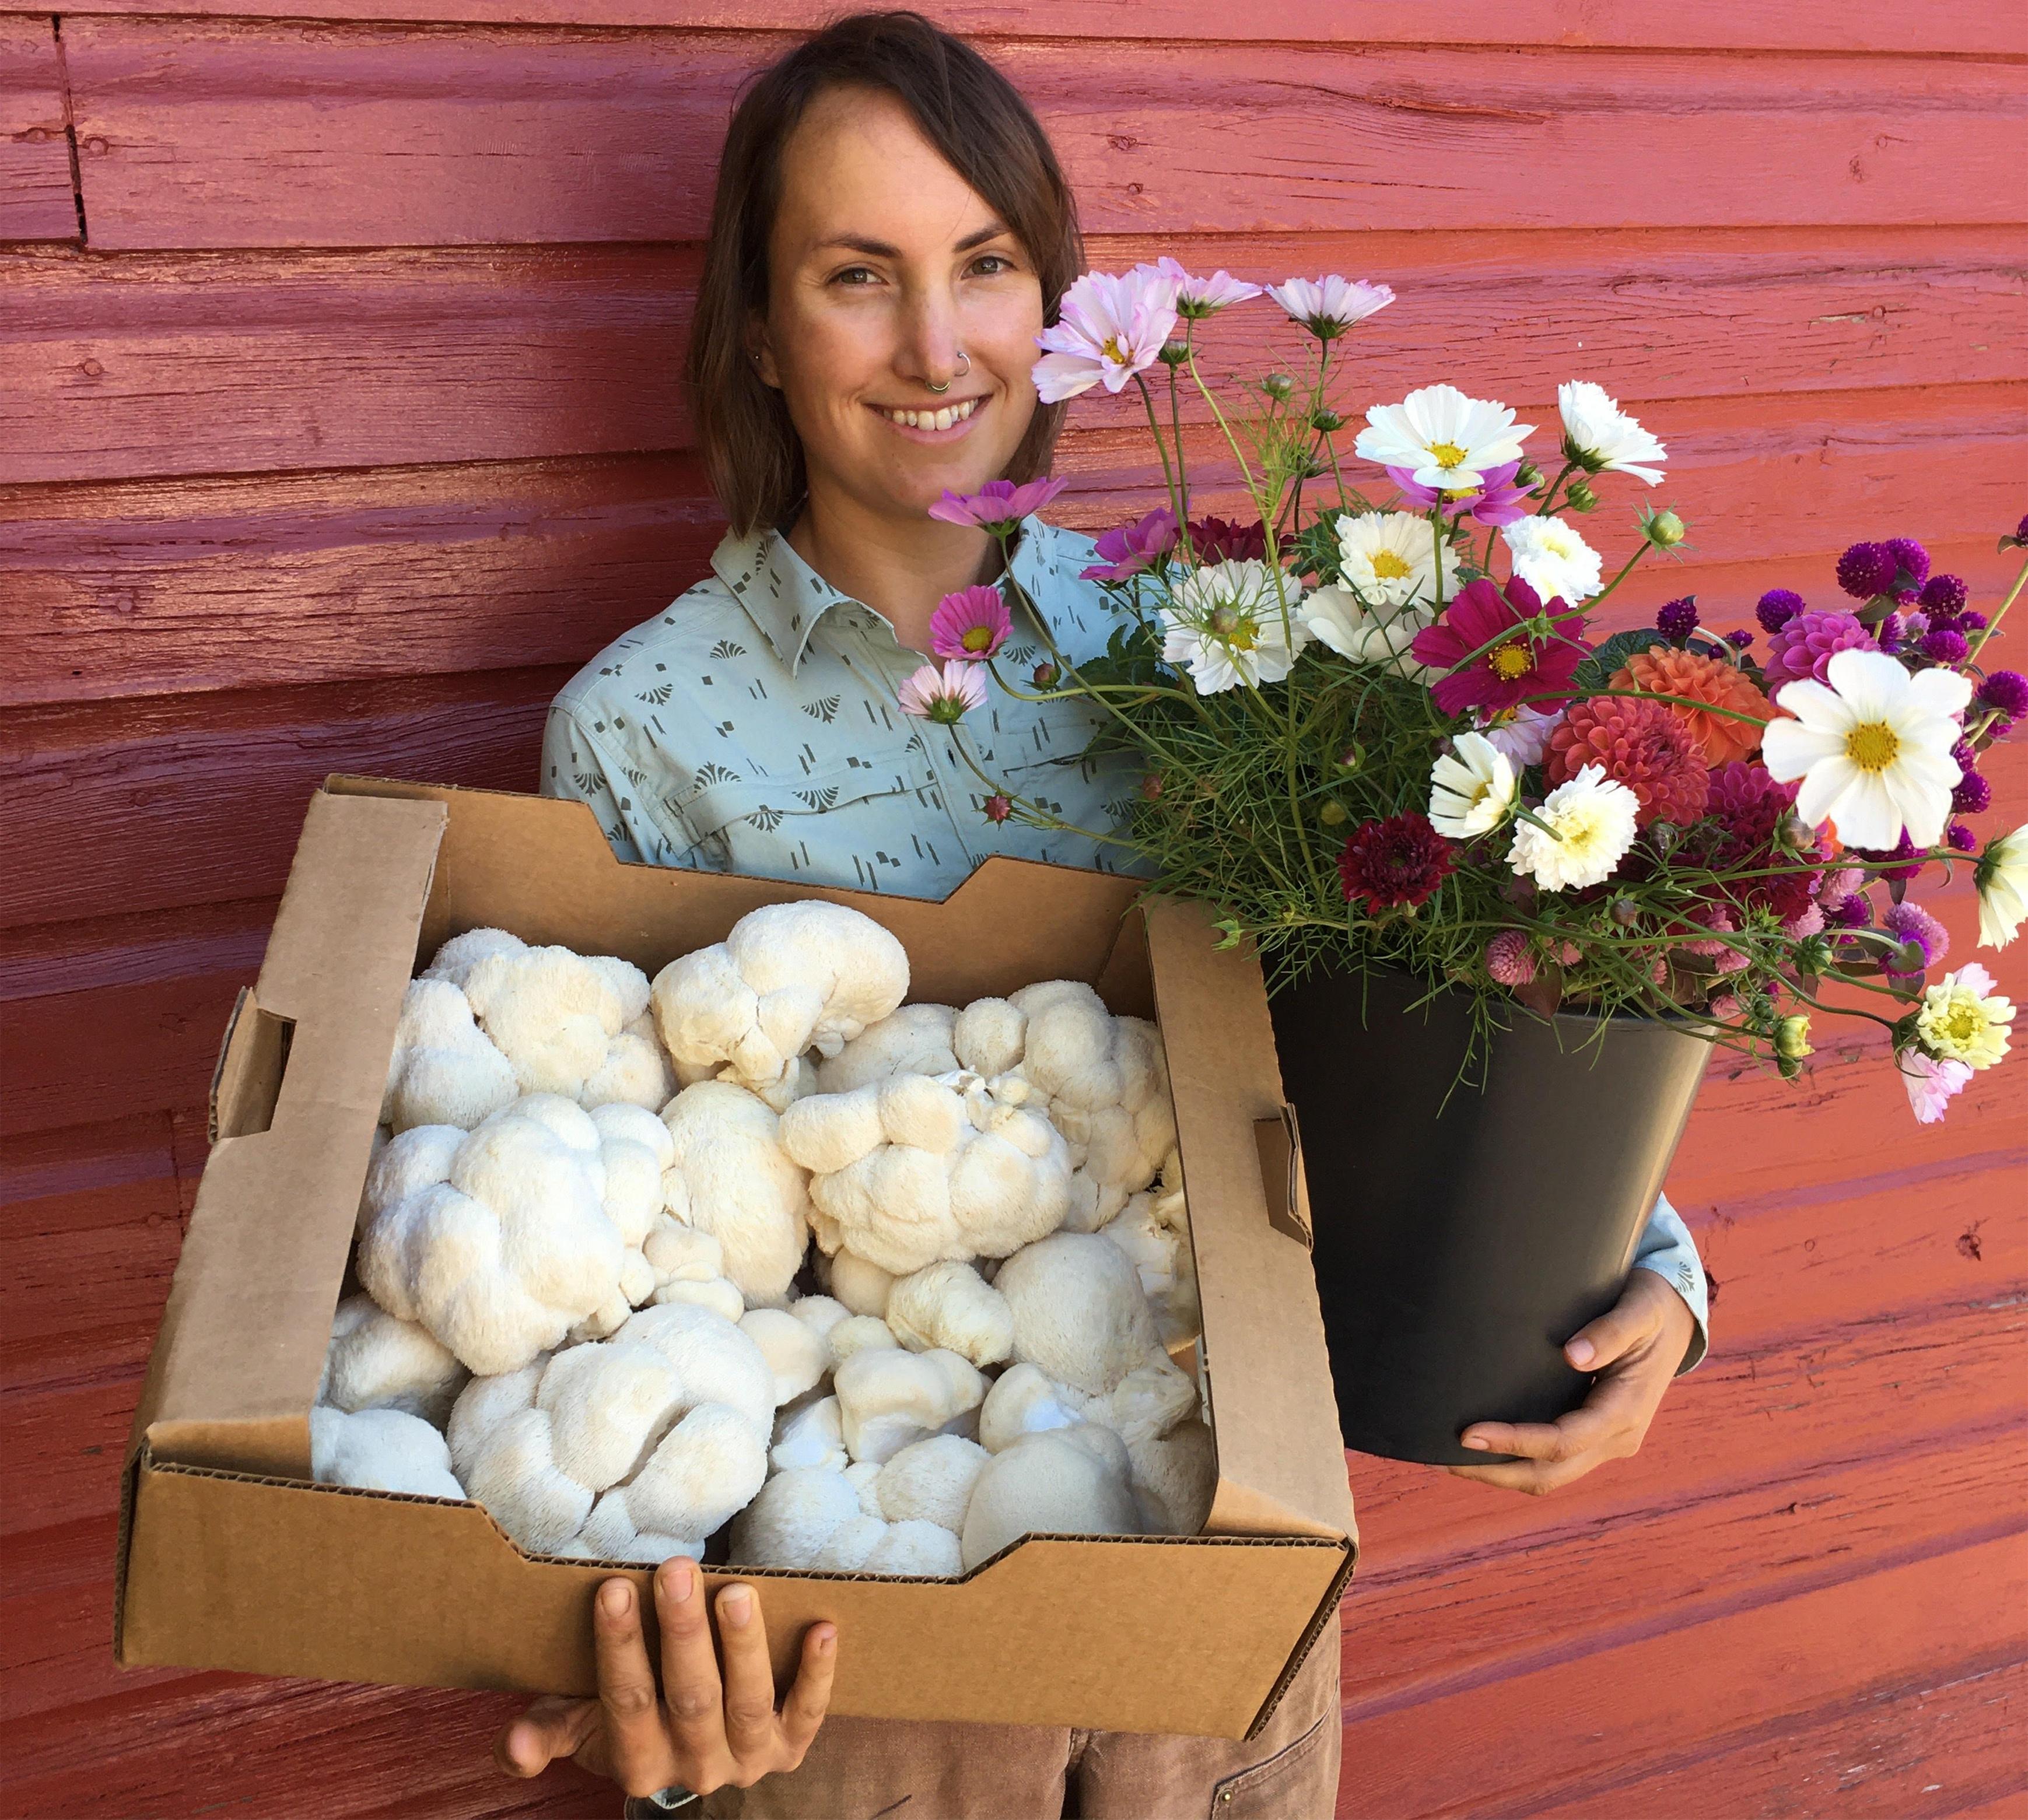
1400 860
1643 745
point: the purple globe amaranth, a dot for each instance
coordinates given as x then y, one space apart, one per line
1739 640
2005 692
1677 619
1777 607
1899 862
1866 569
1915 927
1972 796
1911 559
1969 622
1941 646
1806 644
1944 594
1891 634
1960 839
1851 912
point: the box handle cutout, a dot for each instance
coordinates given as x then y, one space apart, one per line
252 1061
1279 1142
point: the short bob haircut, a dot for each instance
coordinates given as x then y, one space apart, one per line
973 116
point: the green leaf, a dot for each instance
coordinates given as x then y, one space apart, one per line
1596 671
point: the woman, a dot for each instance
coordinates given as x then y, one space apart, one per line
890 228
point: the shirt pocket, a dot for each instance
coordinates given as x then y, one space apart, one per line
853 824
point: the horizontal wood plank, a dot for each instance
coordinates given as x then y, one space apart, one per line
37 201
1940 28
242 362
200 134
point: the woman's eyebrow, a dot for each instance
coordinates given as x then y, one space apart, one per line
881 250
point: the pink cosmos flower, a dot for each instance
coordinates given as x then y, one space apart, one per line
971 625
1330 305
1523 734
944 697
1107 329
1197 297
1132 547
998 506
1931 1083
1496 500
1509 664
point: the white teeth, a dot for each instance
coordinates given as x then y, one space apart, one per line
943 420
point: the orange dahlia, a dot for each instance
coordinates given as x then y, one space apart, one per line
1640 743
1722 739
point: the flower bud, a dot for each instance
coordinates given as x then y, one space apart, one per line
1664 835
1326 420
1795 833
1581 498
1332 814
1151 786
1278 385
1527 474
1352 757
1044 675
1792 1038
1626 912
999 808
1665 530
1174 353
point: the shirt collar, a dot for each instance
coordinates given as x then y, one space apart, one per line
785 598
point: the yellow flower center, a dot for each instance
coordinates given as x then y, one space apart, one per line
1113 351
1963 1023
1448 454
1872 746
977 637
1511 661
1388 567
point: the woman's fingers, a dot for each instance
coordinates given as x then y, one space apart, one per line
803 1711
552 1727
1626 1324
749 1678
691 1687
635 1742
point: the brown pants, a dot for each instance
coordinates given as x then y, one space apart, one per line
897 1770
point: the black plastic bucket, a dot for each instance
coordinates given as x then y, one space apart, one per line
1457 1250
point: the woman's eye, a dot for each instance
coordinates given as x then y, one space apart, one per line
992 264
855 275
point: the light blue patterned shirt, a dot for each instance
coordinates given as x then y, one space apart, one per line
752 728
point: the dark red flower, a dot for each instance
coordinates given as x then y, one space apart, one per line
1750 807
1220 540
1400 860
1507 671
999 808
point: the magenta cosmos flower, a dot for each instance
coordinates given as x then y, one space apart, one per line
1107 329
1496 500
1509 664
970 625
998 506
1132 547
1329 305
1198 298
944 696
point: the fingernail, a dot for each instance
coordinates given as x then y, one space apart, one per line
827 1639
1580 1350
678 1580
615 1598
1479 1441
735 1605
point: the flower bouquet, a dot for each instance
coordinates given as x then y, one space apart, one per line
1376 723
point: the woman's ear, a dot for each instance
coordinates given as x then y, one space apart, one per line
759 355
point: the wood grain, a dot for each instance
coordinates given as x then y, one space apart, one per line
203 134
242 363
37 201
1940 28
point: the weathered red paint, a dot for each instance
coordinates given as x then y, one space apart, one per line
309 472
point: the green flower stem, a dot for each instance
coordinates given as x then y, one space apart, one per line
1640 549
1978 638
1549 499
1182 506
1161 447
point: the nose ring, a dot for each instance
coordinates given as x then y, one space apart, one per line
959 374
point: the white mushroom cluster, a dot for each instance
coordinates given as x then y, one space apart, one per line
589 1298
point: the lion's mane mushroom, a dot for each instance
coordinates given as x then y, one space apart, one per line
380 1450
377 1362
631 1449
503 1257
1067 1480
1103 1080
811 1435
444 1071
787 978
862 1287
412 1159
1154 1230
888 1398
731 1176
915 1039
690 1266
950 1305
1079 1314
817 1518
917 1168
797 1354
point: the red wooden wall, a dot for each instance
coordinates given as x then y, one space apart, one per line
339 423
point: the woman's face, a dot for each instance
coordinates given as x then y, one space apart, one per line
884 264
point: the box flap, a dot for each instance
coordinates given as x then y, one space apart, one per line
236 1364
1281 1462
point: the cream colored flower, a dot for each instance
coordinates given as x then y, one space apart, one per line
1590 826
1225 625
1550 557
1471 792
2002 878
1873 748
1335 616
1390 558
1446 439
1600 438
1964 1019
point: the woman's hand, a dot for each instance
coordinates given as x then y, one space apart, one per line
1635 1348
699 1732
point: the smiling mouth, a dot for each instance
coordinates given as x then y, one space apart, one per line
945 417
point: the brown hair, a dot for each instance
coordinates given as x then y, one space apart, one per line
973 116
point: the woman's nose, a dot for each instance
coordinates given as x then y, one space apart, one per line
932 354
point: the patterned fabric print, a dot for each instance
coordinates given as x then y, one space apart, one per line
717 734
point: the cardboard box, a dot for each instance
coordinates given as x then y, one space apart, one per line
230 1558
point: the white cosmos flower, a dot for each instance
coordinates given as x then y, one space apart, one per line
1590 821
1447 439
1550 557
1390 557
1471 792
1601 437
1225 624
1338 618
2002 878
1964 1019
1872 747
